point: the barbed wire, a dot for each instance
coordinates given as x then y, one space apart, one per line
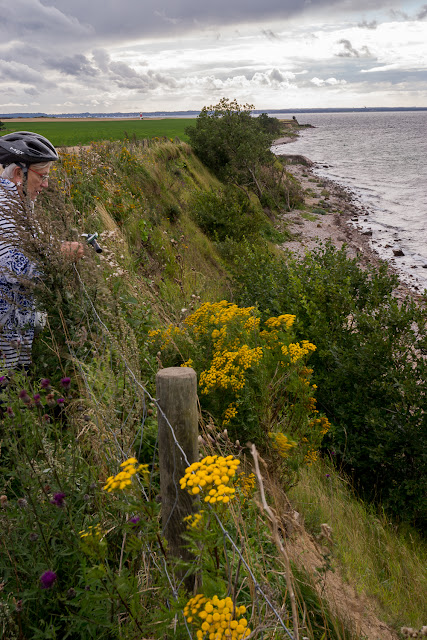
123 454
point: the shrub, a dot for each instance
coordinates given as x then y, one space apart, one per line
226 213
253 380
370 366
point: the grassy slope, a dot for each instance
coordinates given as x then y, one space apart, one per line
380 562
169 261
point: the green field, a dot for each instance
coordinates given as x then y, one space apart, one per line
68 134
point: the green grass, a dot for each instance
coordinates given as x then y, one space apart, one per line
67 134
308 216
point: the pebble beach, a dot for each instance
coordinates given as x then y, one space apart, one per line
336 219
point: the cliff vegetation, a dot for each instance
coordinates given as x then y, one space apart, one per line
311 383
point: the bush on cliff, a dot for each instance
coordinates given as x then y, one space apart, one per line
236 147
225 213
369 365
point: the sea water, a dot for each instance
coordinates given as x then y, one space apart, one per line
382 158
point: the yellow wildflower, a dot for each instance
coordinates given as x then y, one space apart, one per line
216 619
124 478
211 477
282 444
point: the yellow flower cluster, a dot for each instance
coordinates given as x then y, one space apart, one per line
252 323
305 372
194 520
228 367
311 405
217 314
273 325
124 478
246 484
94 533
323 423
296 351
71 163
211 476
189 363
286 321
282 444
167 335
311 457
216 619
229 414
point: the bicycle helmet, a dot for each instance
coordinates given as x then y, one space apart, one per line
25 148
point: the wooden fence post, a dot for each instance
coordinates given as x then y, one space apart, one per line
176 390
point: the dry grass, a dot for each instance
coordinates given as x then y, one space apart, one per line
381 561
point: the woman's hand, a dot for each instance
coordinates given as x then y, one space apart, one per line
73 250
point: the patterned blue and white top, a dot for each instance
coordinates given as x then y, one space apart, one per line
17 312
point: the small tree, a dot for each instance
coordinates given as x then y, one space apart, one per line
2 125
269 124
232 143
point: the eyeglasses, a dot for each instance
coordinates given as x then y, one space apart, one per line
43 176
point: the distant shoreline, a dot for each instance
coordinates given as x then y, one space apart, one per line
191 113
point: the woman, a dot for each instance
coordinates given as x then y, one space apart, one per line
27 158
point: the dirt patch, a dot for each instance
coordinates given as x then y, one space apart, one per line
315 555
354 608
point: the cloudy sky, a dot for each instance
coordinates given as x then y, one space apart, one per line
71 56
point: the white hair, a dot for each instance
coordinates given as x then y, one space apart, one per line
8 171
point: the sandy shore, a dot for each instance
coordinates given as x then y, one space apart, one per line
329 214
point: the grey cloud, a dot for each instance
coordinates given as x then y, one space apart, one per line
23 18
145 81
270 34
130 18
162 15
277 76
102 59
17 72
348 51
123 70
368 25
399 15
32 91
77 65
422 13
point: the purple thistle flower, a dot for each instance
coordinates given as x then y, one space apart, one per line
9 412
60 400
66 383
3 381
45 383
134 521
48 579
46 418
23 395
58 499
37 399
